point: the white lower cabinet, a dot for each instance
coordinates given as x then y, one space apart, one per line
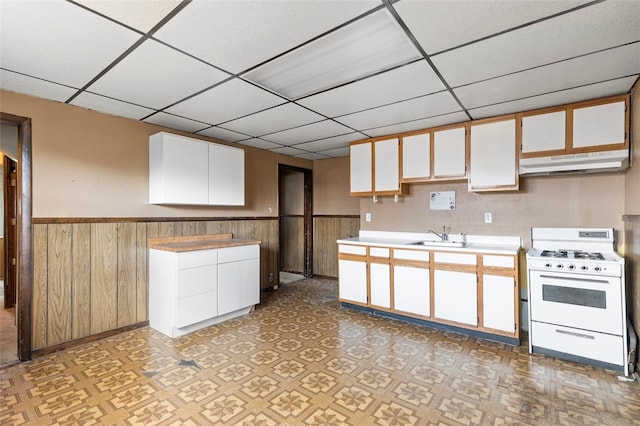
196 294
411 290
456 296
498 302
238 271
353 281
380 285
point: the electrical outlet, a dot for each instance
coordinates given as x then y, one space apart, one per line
488 218
367 217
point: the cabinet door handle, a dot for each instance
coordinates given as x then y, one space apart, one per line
573 333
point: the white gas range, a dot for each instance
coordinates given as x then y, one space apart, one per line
577 308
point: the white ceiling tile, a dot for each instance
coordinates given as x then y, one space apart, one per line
273 120
139 14
331 143
259 143
319 130
589 29
58 41
33 86
222 134
110 106
227 101
406 82
338 152
414 109
156 76
287 150
173 122
605 65
578 94
242 34
441 120
443 24
312 156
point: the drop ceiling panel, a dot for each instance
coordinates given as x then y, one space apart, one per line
440 120
402 83
580 32
259 143
110 106
58 41
578 94
33 86
242 34
440 25
273 120
156 76
222 134
174 122
338 152
330 143
605 65
139 14
287 150
312 156
319 130
227 101
414 109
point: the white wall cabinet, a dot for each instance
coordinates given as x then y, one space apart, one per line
450 153
386 165
361 167
193 172
375 167
598 125
493 160
416 157
544 132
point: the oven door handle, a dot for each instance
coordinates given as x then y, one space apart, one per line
573 333
588 280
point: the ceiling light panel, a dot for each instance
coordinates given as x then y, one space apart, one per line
227 101
222 134
237 35
399 84
587 30
414 109
426 123
110 106
362 48
319 130
443 24
273 120
58 41
156 76
34 86
578 94
174 122
139 14
601 66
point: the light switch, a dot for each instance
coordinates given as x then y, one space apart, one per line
367 217
488 218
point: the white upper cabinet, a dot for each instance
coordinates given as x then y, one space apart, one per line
361 167
193 172
386 165
416 156
544 132
493 159
598 125
450 153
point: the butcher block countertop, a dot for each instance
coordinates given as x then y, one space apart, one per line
197 242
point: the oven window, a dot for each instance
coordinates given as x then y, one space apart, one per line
574 296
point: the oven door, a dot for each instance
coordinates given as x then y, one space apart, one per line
574 300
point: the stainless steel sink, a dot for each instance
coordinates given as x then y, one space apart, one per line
445 243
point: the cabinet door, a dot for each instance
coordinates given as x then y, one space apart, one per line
178 170
411 290
498 302
599 125
228 287
352 281
493 164
450 153
456 296
196 291
387 165
226 175
544 132
250 282
416 157
380 285
361 167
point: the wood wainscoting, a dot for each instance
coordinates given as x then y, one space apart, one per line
327 230
90 275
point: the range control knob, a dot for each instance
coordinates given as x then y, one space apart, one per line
584 267
572 267
597 269
547 265
559 266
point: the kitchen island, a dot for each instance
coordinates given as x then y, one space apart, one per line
464 283
198 281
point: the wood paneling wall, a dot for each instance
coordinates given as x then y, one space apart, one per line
326 230
292 243
632 262
91 277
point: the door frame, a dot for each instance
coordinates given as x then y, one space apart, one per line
307 214
24 258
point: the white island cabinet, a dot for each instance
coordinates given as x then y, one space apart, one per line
192 285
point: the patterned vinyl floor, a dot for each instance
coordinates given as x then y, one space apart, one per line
300 359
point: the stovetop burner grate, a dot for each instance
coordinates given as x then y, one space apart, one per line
572 254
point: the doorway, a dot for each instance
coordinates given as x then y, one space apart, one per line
295 211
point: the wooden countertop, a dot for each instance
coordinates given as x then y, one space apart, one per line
197 242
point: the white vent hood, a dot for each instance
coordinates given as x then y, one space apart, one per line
603 161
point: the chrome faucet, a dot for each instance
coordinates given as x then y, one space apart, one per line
443 237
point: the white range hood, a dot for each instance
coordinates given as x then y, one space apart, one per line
603 161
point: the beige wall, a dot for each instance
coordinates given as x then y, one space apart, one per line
88 164
331 188
632 204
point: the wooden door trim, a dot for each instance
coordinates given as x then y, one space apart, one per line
24 218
